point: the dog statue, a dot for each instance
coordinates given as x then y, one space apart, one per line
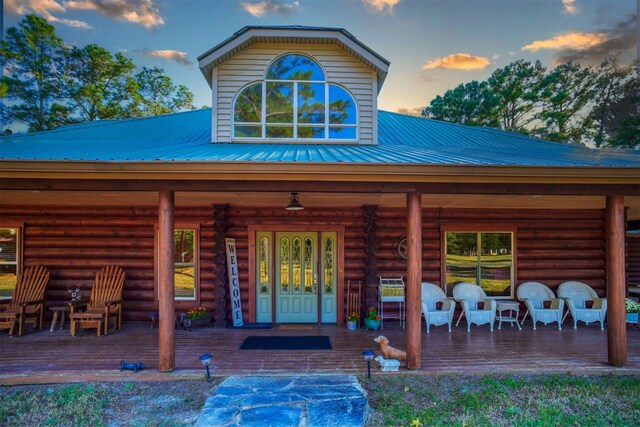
390 352
135 367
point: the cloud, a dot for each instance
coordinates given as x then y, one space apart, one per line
168 55
619 40
570 7
381 5
458 61
574 40
593 48
141 12
269 6
415 111
44 8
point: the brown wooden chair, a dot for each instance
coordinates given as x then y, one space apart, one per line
27 302
104 304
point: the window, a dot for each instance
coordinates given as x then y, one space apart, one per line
185 263
9 256
295 102
483 258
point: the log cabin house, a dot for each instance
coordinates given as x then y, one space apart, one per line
294 121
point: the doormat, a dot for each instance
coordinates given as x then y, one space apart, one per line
299 327
271 342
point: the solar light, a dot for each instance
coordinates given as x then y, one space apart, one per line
368 356
205 359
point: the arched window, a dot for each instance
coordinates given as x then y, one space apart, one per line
295 102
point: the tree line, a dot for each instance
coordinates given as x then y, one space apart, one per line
49 84
599 106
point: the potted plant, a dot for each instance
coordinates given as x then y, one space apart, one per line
352 320
199 316
372 321
633 309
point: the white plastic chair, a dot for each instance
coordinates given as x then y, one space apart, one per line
432 294
534 294
575 294
469 295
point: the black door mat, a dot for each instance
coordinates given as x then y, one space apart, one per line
273 342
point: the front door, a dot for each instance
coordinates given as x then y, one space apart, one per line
296 277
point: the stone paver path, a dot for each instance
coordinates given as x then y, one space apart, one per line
305 401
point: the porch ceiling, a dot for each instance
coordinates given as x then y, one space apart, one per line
311 200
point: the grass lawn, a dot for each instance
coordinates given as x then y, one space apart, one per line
539 400
400 400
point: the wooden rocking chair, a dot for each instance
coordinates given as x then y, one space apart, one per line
27 303
105 303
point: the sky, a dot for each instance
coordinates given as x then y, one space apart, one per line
433 45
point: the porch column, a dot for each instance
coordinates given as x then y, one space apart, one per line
414 278
616 328
166 289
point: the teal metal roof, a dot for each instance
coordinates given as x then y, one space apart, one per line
185 137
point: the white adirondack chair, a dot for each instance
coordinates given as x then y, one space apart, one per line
469 295
534 294
576 294
432 294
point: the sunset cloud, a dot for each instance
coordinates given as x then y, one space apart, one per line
141 12
570 7
575 40
415 111
44 8
168 55
258 9
458 61
381 5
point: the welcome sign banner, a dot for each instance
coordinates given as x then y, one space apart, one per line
234 282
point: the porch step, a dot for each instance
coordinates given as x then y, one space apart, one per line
304 401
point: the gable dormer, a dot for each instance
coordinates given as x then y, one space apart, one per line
294 85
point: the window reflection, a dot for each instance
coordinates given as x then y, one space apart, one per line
295 67
308 266
296 258
485 259
279 102
320 110
248 108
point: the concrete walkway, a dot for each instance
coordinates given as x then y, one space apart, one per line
305 401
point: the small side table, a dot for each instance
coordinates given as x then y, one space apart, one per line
512 310
63 310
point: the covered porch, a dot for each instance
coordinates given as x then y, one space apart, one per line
46 357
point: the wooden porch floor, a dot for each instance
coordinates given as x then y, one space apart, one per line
44 354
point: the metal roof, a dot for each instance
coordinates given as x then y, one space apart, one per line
184 137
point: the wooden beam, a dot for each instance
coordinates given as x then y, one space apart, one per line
414 279
346 187
616 326
166 297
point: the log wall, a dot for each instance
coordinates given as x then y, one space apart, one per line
633 259
74 242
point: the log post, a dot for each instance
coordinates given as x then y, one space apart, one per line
414 279
166 287
222 309
616 323
371 261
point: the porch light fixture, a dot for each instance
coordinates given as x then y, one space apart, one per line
294 204
368 356
206 361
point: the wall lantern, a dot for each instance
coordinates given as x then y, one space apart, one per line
368 356
294 204
206 361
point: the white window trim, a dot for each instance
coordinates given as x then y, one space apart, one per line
294 124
